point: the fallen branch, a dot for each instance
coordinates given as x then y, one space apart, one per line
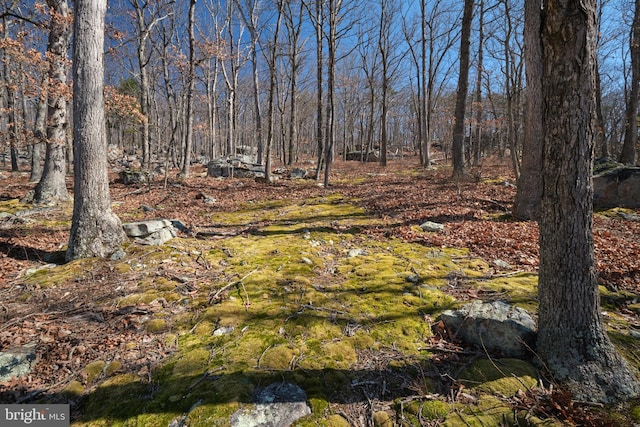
230 285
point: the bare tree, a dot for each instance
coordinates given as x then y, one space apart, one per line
95 229
250 17
529 192
628 154
461 96
191 78
293 14
572 339
272 62
147 15
52 187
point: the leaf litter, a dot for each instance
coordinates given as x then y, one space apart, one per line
77 322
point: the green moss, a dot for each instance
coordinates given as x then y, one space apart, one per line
12 206
635 413
155 325
488 411
73 389
191 363
211 414
118 398
382 419
341 353
520 289
434 410
335 420
112 367
279 358
92 370
503 377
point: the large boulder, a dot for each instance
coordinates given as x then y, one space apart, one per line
616 185
495 327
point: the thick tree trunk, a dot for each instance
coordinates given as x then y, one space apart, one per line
628 154
95 229
52 188
529 192
461 96
571 336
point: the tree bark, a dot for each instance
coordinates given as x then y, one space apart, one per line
52 188
188 143
571 336
95 229
39 133
461 96
529 191
628 154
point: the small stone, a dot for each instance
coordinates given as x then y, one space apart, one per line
431 226
355 252
118 255
306 260
501 264
223 330
413 278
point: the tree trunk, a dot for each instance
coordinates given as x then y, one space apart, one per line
52 188
273 69
529 192
334 7
628 154
571 336
188 141
461 96
95 229
39 133
477 138
318 26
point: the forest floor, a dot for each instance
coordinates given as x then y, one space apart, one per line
336 290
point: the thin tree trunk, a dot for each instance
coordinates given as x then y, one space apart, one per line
571 336
188 142
461 96
628 154
529 190
477 140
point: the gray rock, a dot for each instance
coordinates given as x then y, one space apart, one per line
496 327
298 173
145 228
17 362
355 252
179 225
432 226
159 237
501 264
277 405
617 186
118 255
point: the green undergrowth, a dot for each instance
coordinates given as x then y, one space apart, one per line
301 295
